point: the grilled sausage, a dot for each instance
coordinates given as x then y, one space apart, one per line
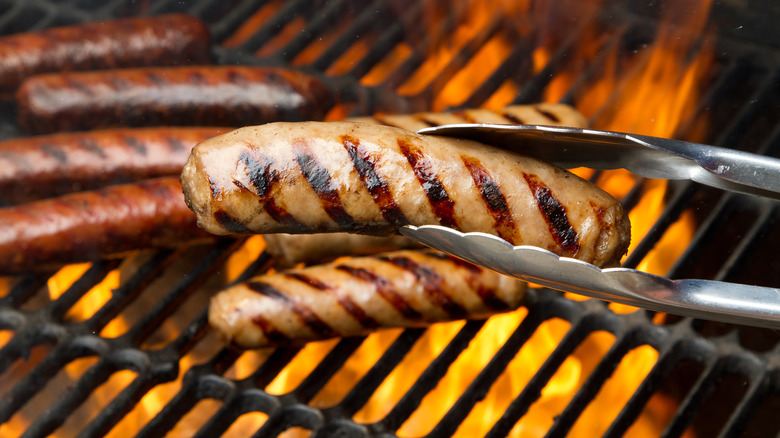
371 179
90 225
33 168
183 96
536 114
290 249
356 296
175 39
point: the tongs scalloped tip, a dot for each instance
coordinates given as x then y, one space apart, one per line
713 300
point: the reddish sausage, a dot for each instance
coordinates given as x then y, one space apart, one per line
49 165
174 39
90 225
184 96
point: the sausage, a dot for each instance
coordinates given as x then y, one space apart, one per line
90 225
174 39
536 114
290 249
33 168
357 296
371 179
182 96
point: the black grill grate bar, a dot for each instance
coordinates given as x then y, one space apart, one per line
367 385
715 93
61 408
169 415
325 370
95 274
763 223
670 356
463 56
593 384
368 19
707 230
579 330
331 11
415 59
114 411
533 87
390 37
37 378
754 396
129 290
233 19
670 214
704 387
431 376
25 288
750 110
518 66
282 17
479 387
169 302
580 85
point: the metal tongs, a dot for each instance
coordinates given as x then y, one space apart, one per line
645 156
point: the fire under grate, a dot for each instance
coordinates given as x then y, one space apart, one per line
725 379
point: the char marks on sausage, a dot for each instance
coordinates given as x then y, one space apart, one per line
368 178
365 165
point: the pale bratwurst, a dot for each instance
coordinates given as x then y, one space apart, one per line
314 177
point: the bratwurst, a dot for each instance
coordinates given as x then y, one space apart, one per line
371 179
359 295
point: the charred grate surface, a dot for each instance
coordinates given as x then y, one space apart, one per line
711 370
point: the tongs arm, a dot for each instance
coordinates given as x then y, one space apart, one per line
647 156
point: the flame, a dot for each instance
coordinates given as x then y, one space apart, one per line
651 93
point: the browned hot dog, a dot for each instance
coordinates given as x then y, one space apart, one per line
357 296
371 179
90 225
175 39
182 96
49 165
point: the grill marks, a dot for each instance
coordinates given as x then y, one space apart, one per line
306 316
320 180
384 288
432 284
442 205
347 303
494 199
365 165
262 177
554 213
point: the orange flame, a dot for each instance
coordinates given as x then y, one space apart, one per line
652 93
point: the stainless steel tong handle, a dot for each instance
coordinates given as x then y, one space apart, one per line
647 156
712 300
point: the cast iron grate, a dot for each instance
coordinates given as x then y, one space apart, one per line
709 367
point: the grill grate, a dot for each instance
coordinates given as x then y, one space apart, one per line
708 367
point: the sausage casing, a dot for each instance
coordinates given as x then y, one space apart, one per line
535 114
346 176
180 96
89 225
357 296
174 39
38 167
